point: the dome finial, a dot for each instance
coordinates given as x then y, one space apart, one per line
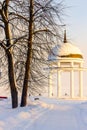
65 40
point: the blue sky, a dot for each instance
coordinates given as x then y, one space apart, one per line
76 21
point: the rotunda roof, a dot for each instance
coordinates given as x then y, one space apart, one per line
66 50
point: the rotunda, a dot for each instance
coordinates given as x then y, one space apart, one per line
65 57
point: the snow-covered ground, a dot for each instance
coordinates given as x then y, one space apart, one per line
44 114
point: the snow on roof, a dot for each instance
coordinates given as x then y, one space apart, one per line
65 50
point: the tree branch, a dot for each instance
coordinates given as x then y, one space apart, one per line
19 16
2 26
16 40
3 45
42 30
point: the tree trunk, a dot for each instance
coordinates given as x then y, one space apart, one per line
29 57
11 74
25 85
14 94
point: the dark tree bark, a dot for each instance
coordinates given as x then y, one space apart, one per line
4 15
29 58
12 81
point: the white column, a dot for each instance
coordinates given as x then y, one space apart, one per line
50 83
59 81
81 82
72 82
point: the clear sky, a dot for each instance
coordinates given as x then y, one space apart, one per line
76 21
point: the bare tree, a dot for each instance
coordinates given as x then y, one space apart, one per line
6 43
43 30
30 29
